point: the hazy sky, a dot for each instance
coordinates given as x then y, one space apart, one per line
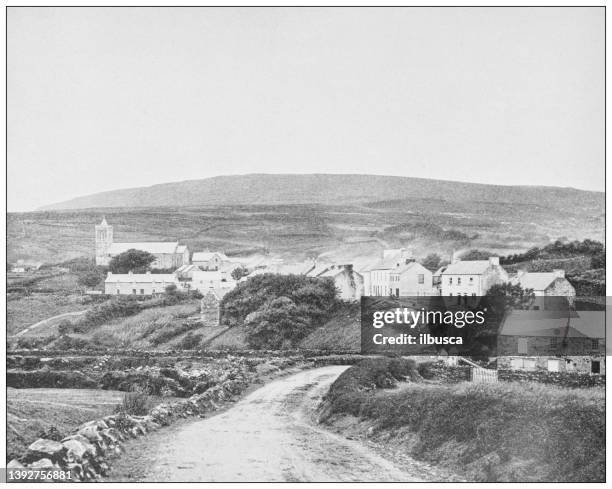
100 99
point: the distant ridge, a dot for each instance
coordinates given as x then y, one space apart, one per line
279 189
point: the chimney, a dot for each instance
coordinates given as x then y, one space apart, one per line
559 273
109 274
454 257
130 272
494 260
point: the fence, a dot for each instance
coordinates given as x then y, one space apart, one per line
483 375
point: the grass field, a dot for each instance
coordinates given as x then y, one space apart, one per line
30 411
24 311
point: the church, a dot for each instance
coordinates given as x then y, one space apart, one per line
168 254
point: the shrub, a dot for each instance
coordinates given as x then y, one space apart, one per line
51 433
278 310
136 403
191 341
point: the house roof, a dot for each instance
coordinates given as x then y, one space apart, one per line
536 281
207 255
552 323
140 277
471 267
156 248
181 248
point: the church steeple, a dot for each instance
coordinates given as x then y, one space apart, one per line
104 240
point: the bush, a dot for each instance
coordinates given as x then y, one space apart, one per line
278 310
136 403
191 341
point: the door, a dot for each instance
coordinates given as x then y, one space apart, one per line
595 367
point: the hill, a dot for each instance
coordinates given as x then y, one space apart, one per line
328 189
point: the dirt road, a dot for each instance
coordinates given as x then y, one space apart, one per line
50 321
268 436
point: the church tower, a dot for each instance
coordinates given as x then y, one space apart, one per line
104 239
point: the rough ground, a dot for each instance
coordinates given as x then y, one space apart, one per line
268 436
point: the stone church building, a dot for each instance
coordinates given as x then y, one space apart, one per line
168 254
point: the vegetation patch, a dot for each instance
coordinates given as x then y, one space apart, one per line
490 432
277 311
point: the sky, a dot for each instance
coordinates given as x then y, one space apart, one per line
106 98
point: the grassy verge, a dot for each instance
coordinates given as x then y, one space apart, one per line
490 432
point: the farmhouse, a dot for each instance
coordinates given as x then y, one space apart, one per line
138 283
553 340
168 255
545 284
471 278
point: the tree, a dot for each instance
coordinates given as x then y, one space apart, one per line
513 295
136 261
238 273
432 261
476 255
91 278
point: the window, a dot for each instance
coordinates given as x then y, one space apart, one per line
141 291
458 280
118 291
553 342
595 344
450 281
133 291
522 345
421 278
471 280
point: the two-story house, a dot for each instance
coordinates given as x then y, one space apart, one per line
471 278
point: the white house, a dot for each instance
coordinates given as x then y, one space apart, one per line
377 278
138 283
411 279
471 278
545 284
221 282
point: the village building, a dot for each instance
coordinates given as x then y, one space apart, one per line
209 260
377 278
410 280
553 340
138 283
348 282
168 255
545 284
471 278
219 281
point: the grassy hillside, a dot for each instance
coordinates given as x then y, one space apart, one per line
328 189
355 232
518 432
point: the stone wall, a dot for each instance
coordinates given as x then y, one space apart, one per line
87 451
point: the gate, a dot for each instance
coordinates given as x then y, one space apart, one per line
483 375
